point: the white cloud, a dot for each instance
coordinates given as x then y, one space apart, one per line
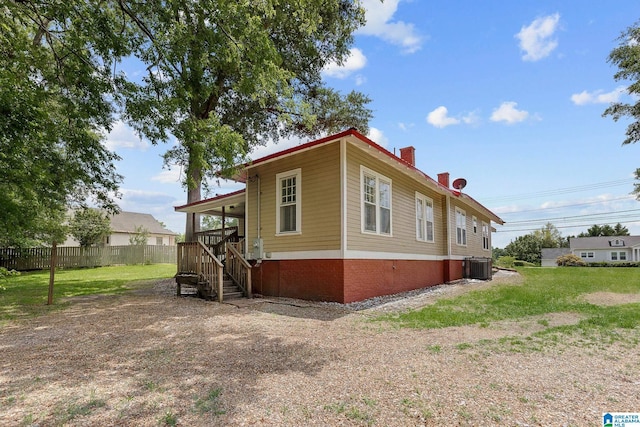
440 118
507 112
405 126
471 118
131 198
598 96
536 39
379 16
122 136
356 61
378 137
169 176
360 80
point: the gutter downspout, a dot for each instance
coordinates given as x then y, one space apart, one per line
258 207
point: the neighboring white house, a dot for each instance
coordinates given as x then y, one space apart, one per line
606 248
127 224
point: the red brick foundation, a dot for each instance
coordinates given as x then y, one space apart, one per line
349 280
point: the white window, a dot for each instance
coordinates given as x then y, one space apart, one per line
474 220
485 236
376 202
424 218
586 254
461 227
159 241
618 256
288 204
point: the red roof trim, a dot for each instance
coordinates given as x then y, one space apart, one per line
211 199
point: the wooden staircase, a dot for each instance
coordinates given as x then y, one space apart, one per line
199 268
203 289
229 289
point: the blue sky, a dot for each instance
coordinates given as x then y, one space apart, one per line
507 94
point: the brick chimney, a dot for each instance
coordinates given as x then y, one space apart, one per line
443 178
408 154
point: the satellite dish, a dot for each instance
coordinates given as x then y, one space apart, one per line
459 184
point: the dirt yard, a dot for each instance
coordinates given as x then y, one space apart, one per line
150 358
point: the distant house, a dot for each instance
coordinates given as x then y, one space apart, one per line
550 255
343 219
606 248
125 225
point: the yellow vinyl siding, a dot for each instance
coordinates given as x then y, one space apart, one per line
474 241
403 210
319 191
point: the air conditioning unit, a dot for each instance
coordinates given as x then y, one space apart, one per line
478 268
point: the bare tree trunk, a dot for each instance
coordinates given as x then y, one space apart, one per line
193 195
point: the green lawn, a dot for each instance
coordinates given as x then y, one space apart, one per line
26 295
545 291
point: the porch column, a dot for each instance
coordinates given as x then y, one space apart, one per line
223 221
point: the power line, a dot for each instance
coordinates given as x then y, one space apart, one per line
594 215
559 191
566 226
595 202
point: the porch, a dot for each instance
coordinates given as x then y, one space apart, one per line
213 261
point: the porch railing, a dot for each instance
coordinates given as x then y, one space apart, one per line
215 240
213 237
196 259
238 268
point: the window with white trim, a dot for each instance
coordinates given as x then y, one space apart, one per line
461 227
485 236
288 205
376 202
424 218
618 256
474 221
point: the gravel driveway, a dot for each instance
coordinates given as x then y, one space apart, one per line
149 358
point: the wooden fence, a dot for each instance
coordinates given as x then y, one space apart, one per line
75 257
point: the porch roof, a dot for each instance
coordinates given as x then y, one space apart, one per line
233 204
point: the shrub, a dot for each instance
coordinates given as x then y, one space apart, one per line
613 264
570 260
506 261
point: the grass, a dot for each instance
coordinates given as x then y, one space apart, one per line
210 403
544 291
26 295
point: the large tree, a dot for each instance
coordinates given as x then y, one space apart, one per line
626 56
56 78
549 236
529 247
224 76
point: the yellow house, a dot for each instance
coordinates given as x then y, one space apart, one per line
343 219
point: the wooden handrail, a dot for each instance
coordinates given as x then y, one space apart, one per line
239 270
196 258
